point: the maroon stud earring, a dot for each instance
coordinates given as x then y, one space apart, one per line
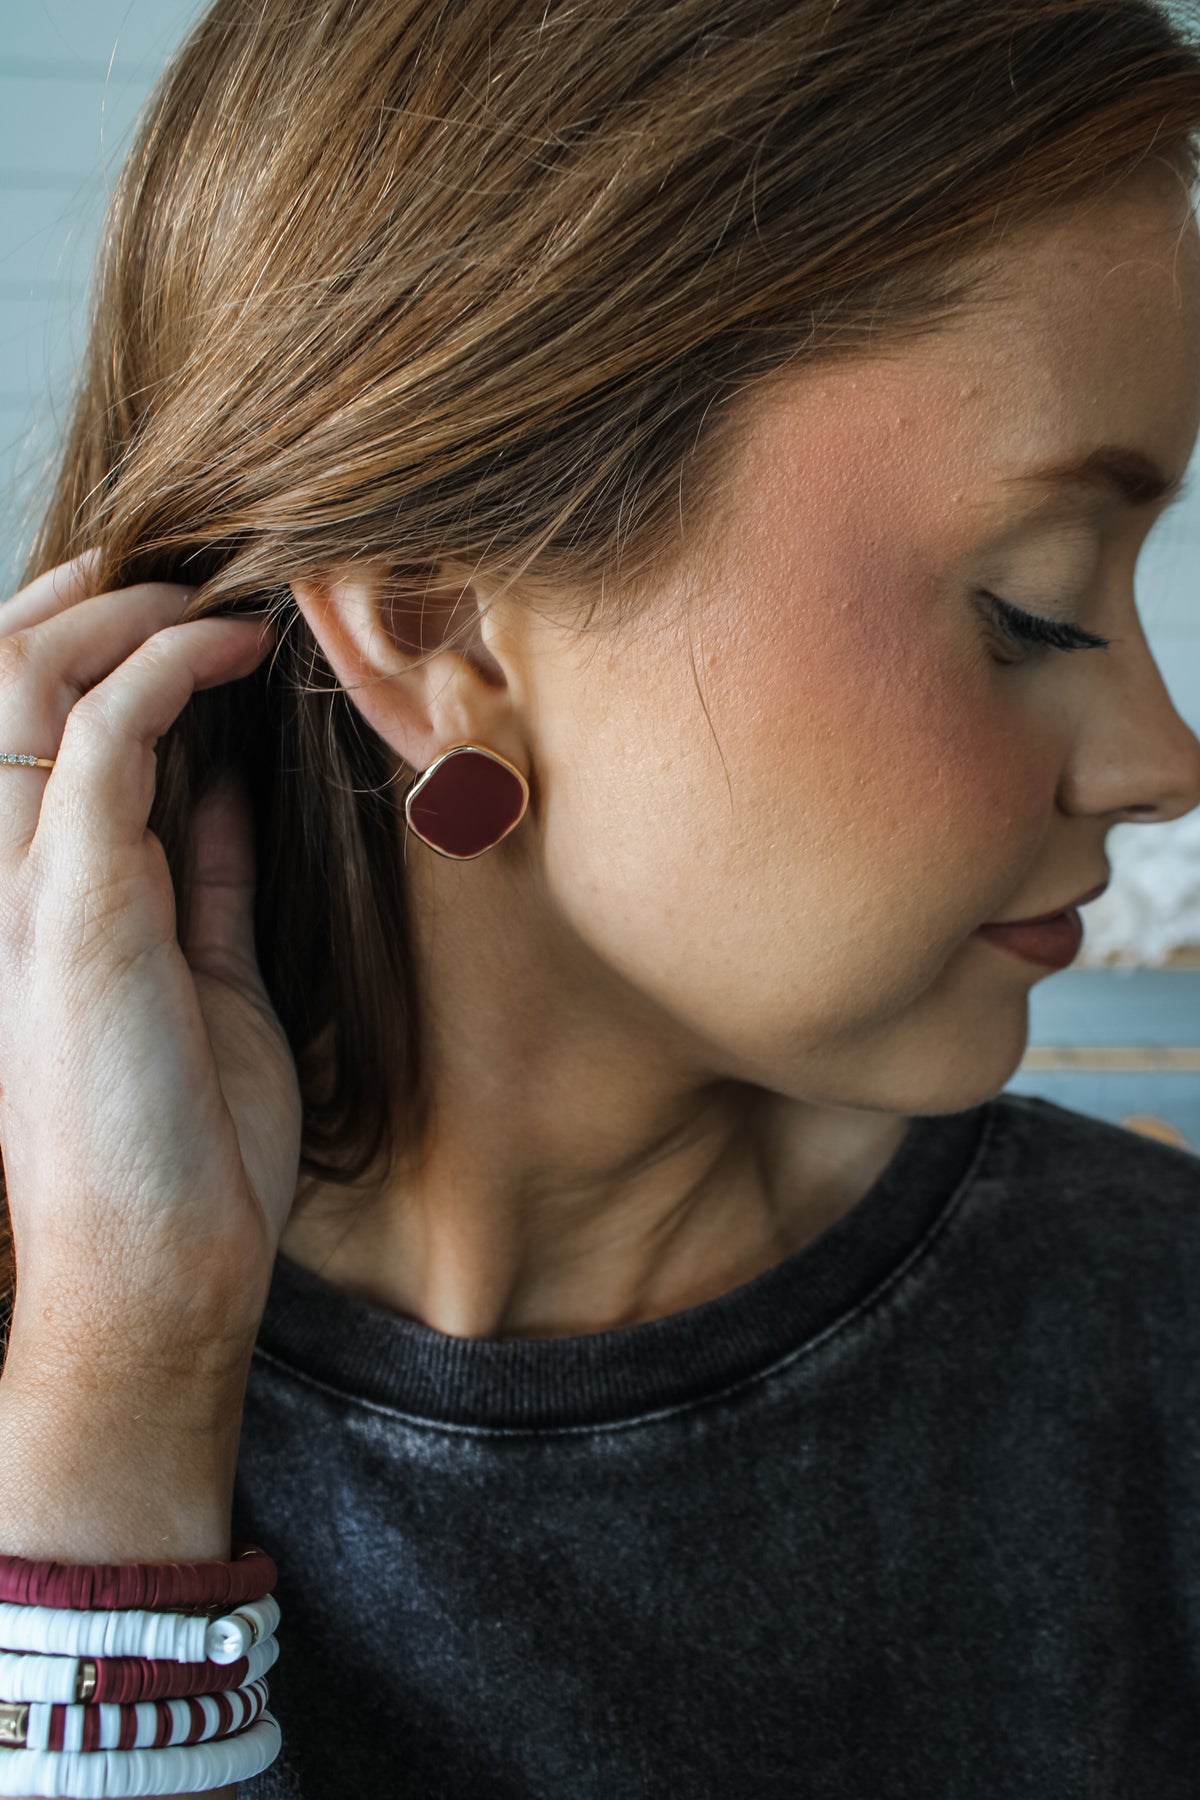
466 801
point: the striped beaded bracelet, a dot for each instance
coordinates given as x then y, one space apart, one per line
147 1725
249 1576
179 1637
187 1769
121 1680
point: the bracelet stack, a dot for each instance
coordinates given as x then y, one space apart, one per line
135 1678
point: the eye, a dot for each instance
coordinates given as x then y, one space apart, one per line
1031 632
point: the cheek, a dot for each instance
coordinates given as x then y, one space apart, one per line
838 797
890 782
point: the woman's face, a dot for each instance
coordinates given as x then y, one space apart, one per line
780 809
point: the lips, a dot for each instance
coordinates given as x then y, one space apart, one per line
1068 906
1052 945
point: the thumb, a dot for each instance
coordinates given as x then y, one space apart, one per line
220 928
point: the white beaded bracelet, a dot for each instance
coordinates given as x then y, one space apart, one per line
164 1637
189 1769
245 1703
56 1678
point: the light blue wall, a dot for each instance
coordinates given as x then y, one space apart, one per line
1168 592
72 75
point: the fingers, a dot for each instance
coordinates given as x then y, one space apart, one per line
98 798
95 682
74 647
48 664
50 593
220 930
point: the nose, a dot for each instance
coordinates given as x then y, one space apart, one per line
1135 759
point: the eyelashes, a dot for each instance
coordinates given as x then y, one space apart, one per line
1028 630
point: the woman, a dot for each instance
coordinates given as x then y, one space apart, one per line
501 1096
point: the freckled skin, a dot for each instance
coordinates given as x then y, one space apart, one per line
737 925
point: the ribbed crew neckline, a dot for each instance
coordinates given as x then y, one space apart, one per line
384 1359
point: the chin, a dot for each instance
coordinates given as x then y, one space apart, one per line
949 1054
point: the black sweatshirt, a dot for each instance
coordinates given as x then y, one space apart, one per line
913 1515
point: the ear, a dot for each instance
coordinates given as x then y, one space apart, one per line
424 665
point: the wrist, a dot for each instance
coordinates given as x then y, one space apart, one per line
119 1472
199 1332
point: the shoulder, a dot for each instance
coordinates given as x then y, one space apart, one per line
1078 1139
1063 1300
1082 1154
1122 1207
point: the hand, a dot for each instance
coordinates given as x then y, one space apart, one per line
149 1106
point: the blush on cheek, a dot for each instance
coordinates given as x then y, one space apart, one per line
847 690
979 797
925 780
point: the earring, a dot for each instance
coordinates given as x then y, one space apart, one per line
466 801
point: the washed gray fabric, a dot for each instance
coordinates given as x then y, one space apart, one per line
913 1515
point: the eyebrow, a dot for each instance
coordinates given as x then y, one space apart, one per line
1117 469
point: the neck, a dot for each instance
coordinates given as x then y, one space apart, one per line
584 1169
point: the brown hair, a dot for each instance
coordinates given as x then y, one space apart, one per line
477 287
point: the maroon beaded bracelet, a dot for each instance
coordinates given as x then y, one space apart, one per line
157 1586
124 1679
